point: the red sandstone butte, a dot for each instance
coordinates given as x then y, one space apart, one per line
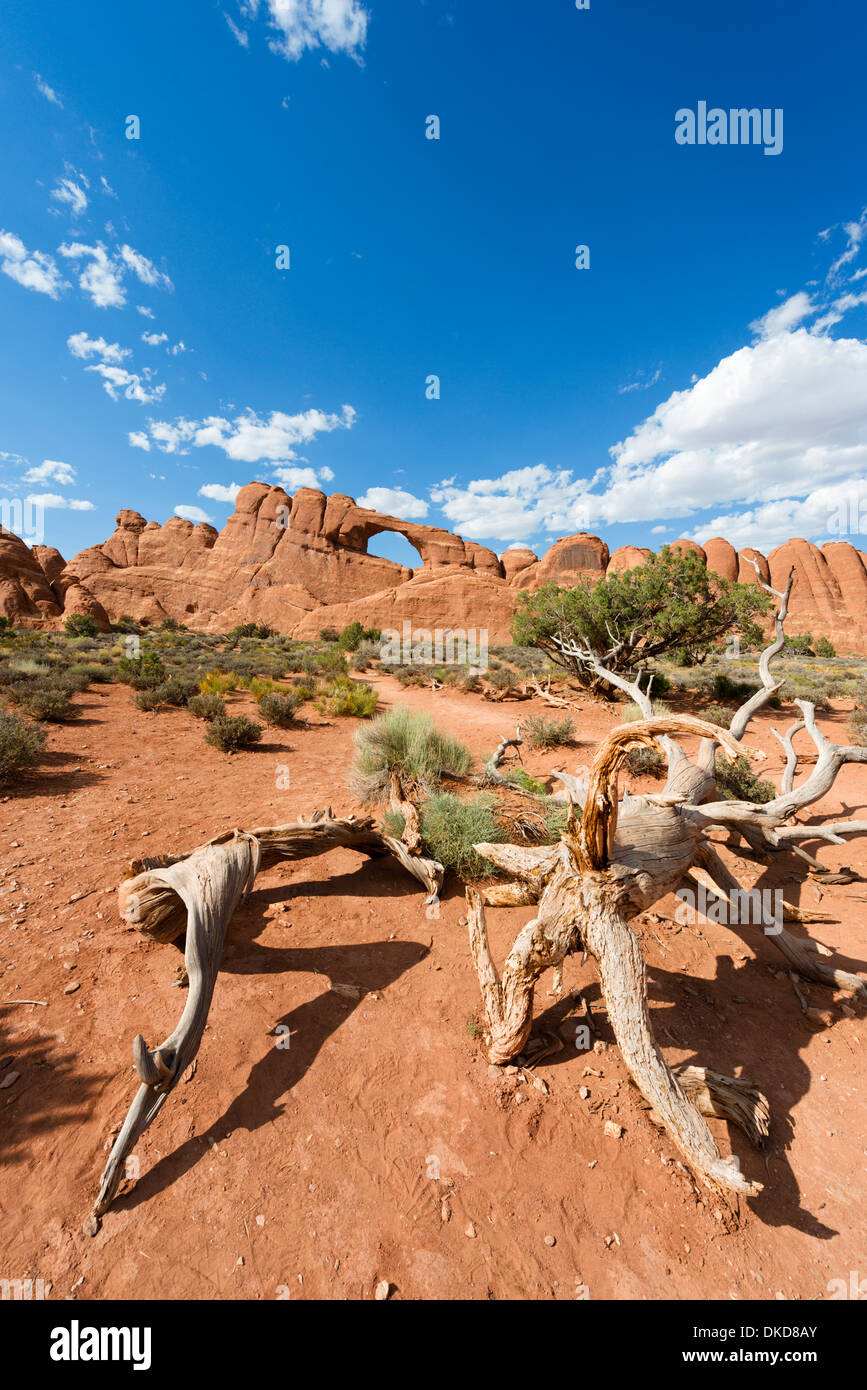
301 563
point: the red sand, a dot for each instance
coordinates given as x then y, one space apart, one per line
311 1172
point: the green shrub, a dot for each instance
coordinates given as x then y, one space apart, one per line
231 733
280 710
410 745
351 636
329 634
81 625
724 688
20 745
206 706
147 700
825 648
540 732
49 703
143 672
737 782
450 827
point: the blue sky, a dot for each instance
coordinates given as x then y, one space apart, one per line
706 375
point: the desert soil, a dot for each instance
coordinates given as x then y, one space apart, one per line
377 1145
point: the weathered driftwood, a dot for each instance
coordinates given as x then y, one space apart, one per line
197 893
617 858
146 902
209 882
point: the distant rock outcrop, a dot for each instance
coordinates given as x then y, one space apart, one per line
301 563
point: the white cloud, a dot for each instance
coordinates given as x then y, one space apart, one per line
154 339
339 25
177 348
784 317
54 502
642 382
81 346
193 514
146 313
106 187
250 438
62 473
219 493
239 34
134 387
764 426
32 269
139 440
48 92
855 233
71 193
396 502
293 478
143 268
101 277
834 512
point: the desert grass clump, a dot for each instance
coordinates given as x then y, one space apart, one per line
280 710
540 732
21 745
450 828
232 733
410 745
346 697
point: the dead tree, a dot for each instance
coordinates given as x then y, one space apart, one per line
197 893
616 859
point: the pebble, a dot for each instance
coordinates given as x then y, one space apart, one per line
383 1289
584 1092
9 1079
612 1130
470 1232
71 988
550 1240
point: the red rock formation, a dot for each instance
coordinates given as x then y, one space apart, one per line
25 593
627 557
301 563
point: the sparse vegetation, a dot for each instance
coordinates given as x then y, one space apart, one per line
81 625
737 782
451 827
280 710
232 733
540 732
208 707
21 745
410 745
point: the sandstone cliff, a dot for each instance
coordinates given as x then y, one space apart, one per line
301 563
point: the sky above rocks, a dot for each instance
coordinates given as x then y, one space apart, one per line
337 244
